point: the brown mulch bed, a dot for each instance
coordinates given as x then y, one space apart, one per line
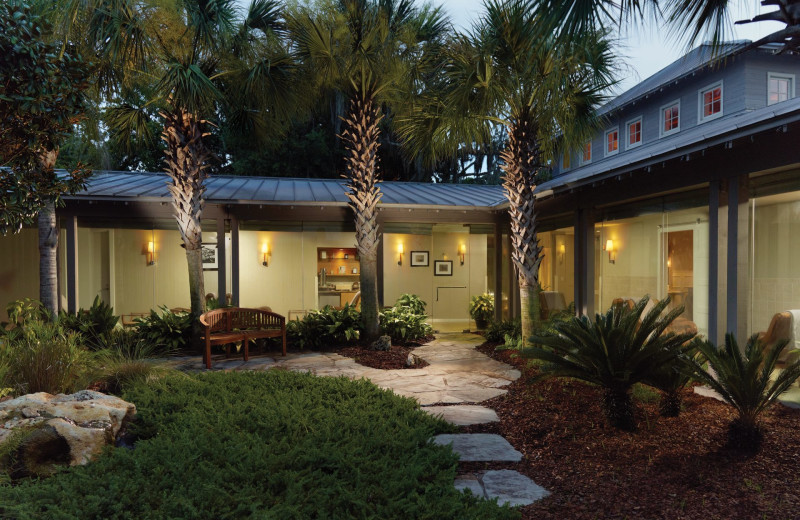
671 468
386 360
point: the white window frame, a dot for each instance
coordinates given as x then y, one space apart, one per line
661 131
591 152
781 75
606 153
628 144
700 117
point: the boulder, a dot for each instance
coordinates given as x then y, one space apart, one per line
56 430
382 343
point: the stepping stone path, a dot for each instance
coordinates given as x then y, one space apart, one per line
457 375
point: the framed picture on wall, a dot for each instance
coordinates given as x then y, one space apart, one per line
443 268
420 259
208 251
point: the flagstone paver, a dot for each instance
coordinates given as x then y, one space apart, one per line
463 414
508 486
473 447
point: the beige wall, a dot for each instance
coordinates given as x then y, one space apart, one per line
19 268
451 310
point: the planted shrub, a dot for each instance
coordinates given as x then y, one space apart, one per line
168 331
22 311
327 327
272 444
129 359
498 330
41 356
94 324
481 308
671 378
402 324
743 379
412 302
614 351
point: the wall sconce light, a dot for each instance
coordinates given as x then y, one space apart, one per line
400 253
265 254
562 251
151 253
612 257
462 253
669 261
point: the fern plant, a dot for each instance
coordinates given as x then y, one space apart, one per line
743 378
613 351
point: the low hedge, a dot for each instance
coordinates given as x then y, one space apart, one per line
273 444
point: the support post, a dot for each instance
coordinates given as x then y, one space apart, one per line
713 261
498 271
731 315
584 262
379 270
72 264
235 288
222 273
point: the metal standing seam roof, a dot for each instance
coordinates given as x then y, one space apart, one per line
227 189
696 137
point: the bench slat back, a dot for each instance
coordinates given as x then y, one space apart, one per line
233 318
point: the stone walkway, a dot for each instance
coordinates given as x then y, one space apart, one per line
457 378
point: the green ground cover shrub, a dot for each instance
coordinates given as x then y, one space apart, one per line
273 444
94 324
497 331
327 327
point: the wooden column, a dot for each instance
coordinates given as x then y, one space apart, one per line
379 270
222 273
713 261
498 271
72 263
235 261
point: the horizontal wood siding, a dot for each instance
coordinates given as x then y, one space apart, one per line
755 78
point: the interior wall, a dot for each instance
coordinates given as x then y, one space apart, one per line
775 286
557 270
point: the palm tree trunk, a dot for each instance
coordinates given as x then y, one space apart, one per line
360 139
670 404
618 408
522 161
186 164
48 243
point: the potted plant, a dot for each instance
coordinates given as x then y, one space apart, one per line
481 308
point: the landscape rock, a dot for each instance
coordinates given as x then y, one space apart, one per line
382 343
61 429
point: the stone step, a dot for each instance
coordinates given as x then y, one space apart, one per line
479 447
509 487
463 414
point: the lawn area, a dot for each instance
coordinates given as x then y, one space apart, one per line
273 444
670 468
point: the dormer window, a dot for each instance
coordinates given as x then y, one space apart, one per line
634 133
612 141
586 155
710 103
670 118
780 87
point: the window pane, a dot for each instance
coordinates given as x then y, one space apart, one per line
635 132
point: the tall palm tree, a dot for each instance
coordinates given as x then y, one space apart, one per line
703 18
200 61
373 52
508 70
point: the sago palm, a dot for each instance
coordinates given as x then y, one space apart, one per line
201 60
375 53
614 351
509 70
670 379
744 379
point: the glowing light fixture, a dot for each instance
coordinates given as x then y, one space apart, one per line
265 254
562 251
612 257
151 253
400 253
462 253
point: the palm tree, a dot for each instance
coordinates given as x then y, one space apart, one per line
199 60
709 18
508 71
373 52
744 380
614 351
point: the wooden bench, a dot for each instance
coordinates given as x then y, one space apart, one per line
232 324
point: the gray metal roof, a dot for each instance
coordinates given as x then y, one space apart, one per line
224 189
686 141
694 60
